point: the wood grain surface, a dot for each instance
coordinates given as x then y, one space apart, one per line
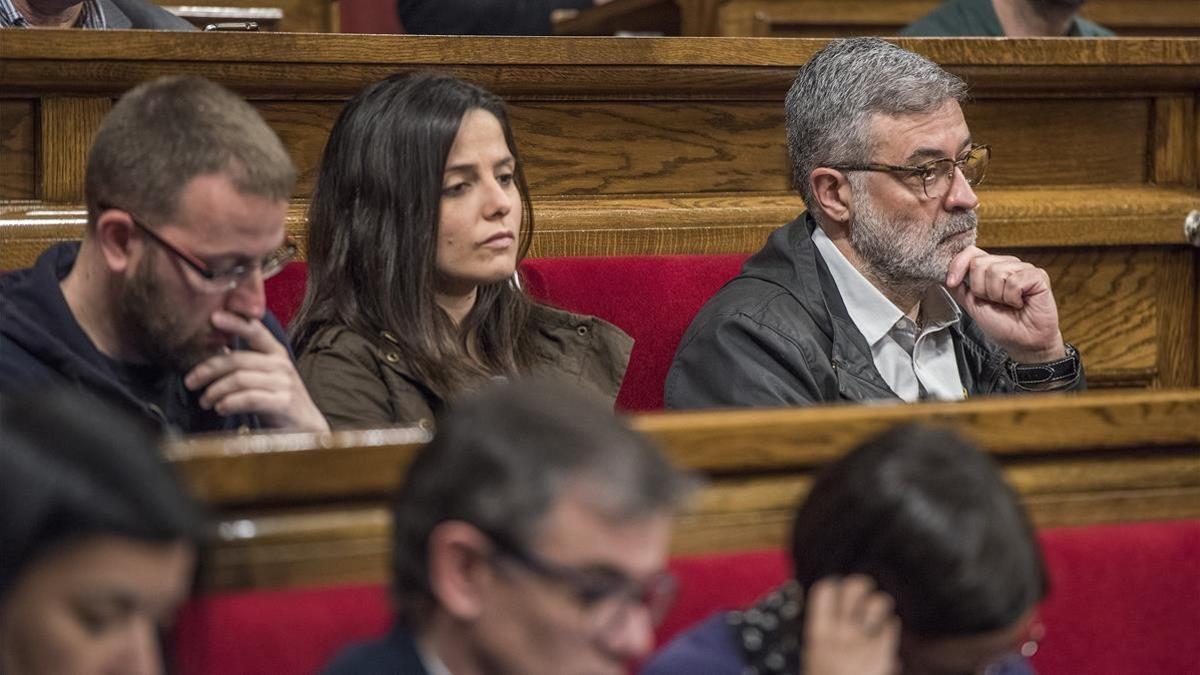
18 145
65 136
298 509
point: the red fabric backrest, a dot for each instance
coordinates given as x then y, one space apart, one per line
1124 599
653 298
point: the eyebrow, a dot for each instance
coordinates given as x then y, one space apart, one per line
467 168
935 153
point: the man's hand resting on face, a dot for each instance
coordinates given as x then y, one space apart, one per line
261 379
1011 301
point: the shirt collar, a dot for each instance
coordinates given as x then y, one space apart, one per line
868 307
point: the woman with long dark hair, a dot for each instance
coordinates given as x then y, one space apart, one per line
418 221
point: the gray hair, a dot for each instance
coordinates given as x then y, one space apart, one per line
834 95
163 133
501 461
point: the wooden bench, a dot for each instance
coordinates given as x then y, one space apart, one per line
833 18
660 146
301 509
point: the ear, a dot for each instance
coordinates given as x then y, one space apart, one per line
832 192
114 238
459 568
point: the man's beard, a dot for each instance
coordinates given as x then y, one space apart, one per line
901 253
156 332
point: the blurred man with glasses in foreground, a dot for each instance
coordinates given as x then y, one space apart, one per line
162 307
878 291
530 537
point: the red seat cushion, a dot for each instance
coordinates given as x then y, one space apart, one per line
1124 599
652 298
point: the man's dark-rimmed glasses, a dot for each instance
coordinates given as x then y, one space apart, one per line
936 176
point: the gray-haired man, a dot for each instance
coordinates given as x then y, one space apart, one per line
878 291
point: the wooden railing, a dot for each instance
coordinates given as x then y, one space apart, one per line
298 509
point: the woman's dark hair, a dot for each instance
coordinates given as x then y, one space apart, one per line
372 234
930 518
72 467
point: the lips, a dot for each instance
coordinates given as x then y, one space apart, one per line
501 239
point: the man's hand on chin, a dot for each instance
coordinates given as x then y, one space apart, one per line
260 379
1011 301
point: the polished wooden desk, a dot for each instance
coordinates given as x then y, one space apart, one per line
677 146
296 509
835 18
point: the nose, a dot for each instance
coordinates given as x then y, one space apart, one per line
633 638
142 655
498 200
961 196
249 297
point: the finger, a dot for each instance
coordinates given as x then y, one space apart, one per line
240 380
978 272
251 401
961 263
997 277
856 588
222 364
877 609
254 332
821 606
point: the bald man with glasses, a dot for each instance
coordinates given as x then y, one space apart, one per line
878 291
162 306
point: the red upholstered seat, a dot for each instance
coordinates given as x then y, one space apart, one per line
1124 599
653 298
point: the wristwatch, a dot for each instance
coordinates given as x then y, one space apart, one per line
1036 374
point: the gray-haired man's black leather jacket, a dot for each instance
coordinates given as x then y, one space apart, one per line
778 334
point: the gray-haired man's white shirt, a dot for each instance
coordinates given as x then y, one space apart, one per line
917 362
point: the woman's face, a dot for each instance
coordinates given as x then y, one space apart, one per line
94 607
480 208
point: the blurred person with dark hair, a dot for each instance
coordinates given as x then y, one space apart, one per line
162 306
1006 18
917 522
97 539
419 220
88 14
530 537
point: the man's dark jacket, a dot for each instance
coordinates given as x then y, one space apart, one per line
41 344
394 654
779 334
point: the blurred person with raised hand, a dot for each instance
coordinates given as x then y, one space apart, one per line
910 554
97 540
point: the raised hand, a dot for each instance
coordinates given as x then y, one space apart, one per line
849 629
1011 301
260 379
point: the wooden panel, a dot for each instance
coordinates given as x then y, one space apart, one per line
18 163
1175 142
620 148
1177 297
67 127
1108 307
1145 17
300 509
1042 142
